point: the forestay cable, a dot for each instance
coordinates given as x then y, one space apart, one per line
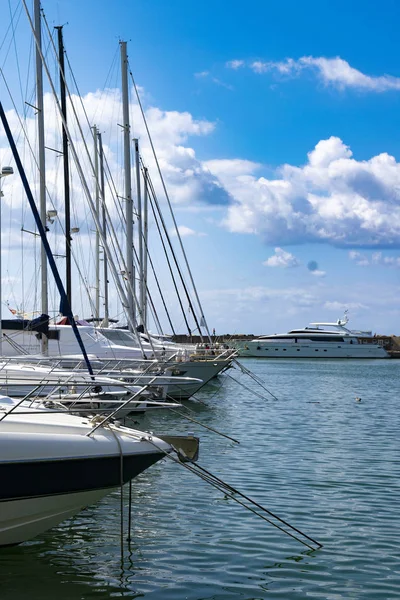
232 493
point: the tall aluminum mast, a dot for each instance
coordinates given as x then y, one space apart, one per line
42 163
67 206
97 244
104 223
145 245
130 275
140 235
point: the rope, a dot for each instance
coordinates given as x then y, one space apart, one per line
246 387
15 344
255 377
121 472
230 492
178 412
129 538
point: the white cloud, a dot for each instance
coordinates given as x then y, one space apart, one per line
360 259
342 306
207 75
234 64
188 182
332 71
333 198
389 261
239 298
281 258
313 268
223 84
285 67
338 72
274 310
376 258
187 232
277 309
231 166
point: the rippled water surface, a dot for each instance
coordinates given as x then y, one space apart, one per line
321 460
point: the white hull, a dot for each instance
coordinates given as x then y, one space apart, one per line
54 464
22 520
260 348
204 370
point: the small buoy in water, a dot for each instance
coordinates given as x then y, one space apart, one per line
358 399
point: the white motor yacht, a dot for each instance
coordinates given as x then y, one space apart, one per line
318 340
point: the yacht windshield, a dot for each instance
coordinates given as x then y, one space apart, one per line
118 335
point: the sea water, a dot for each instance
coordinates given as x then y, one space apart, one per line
316 456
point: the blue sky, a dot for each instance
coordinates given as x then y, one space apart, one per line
314 86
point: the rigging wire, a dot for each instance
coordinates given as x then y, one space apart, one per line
109 222
151 198
202 319
245 501
255 377
147 251
11 26
16 53
191 308
246 387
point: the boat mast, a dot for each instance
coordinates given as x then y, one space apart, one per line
145 239
67 207
42 163
3 173
128 185
64 306
140 232
97 199
103 206
122 290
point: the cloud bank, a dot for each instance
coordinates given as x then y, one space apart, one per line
332 198
335 71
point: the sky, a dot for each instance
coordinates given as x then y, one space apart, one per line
276 125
